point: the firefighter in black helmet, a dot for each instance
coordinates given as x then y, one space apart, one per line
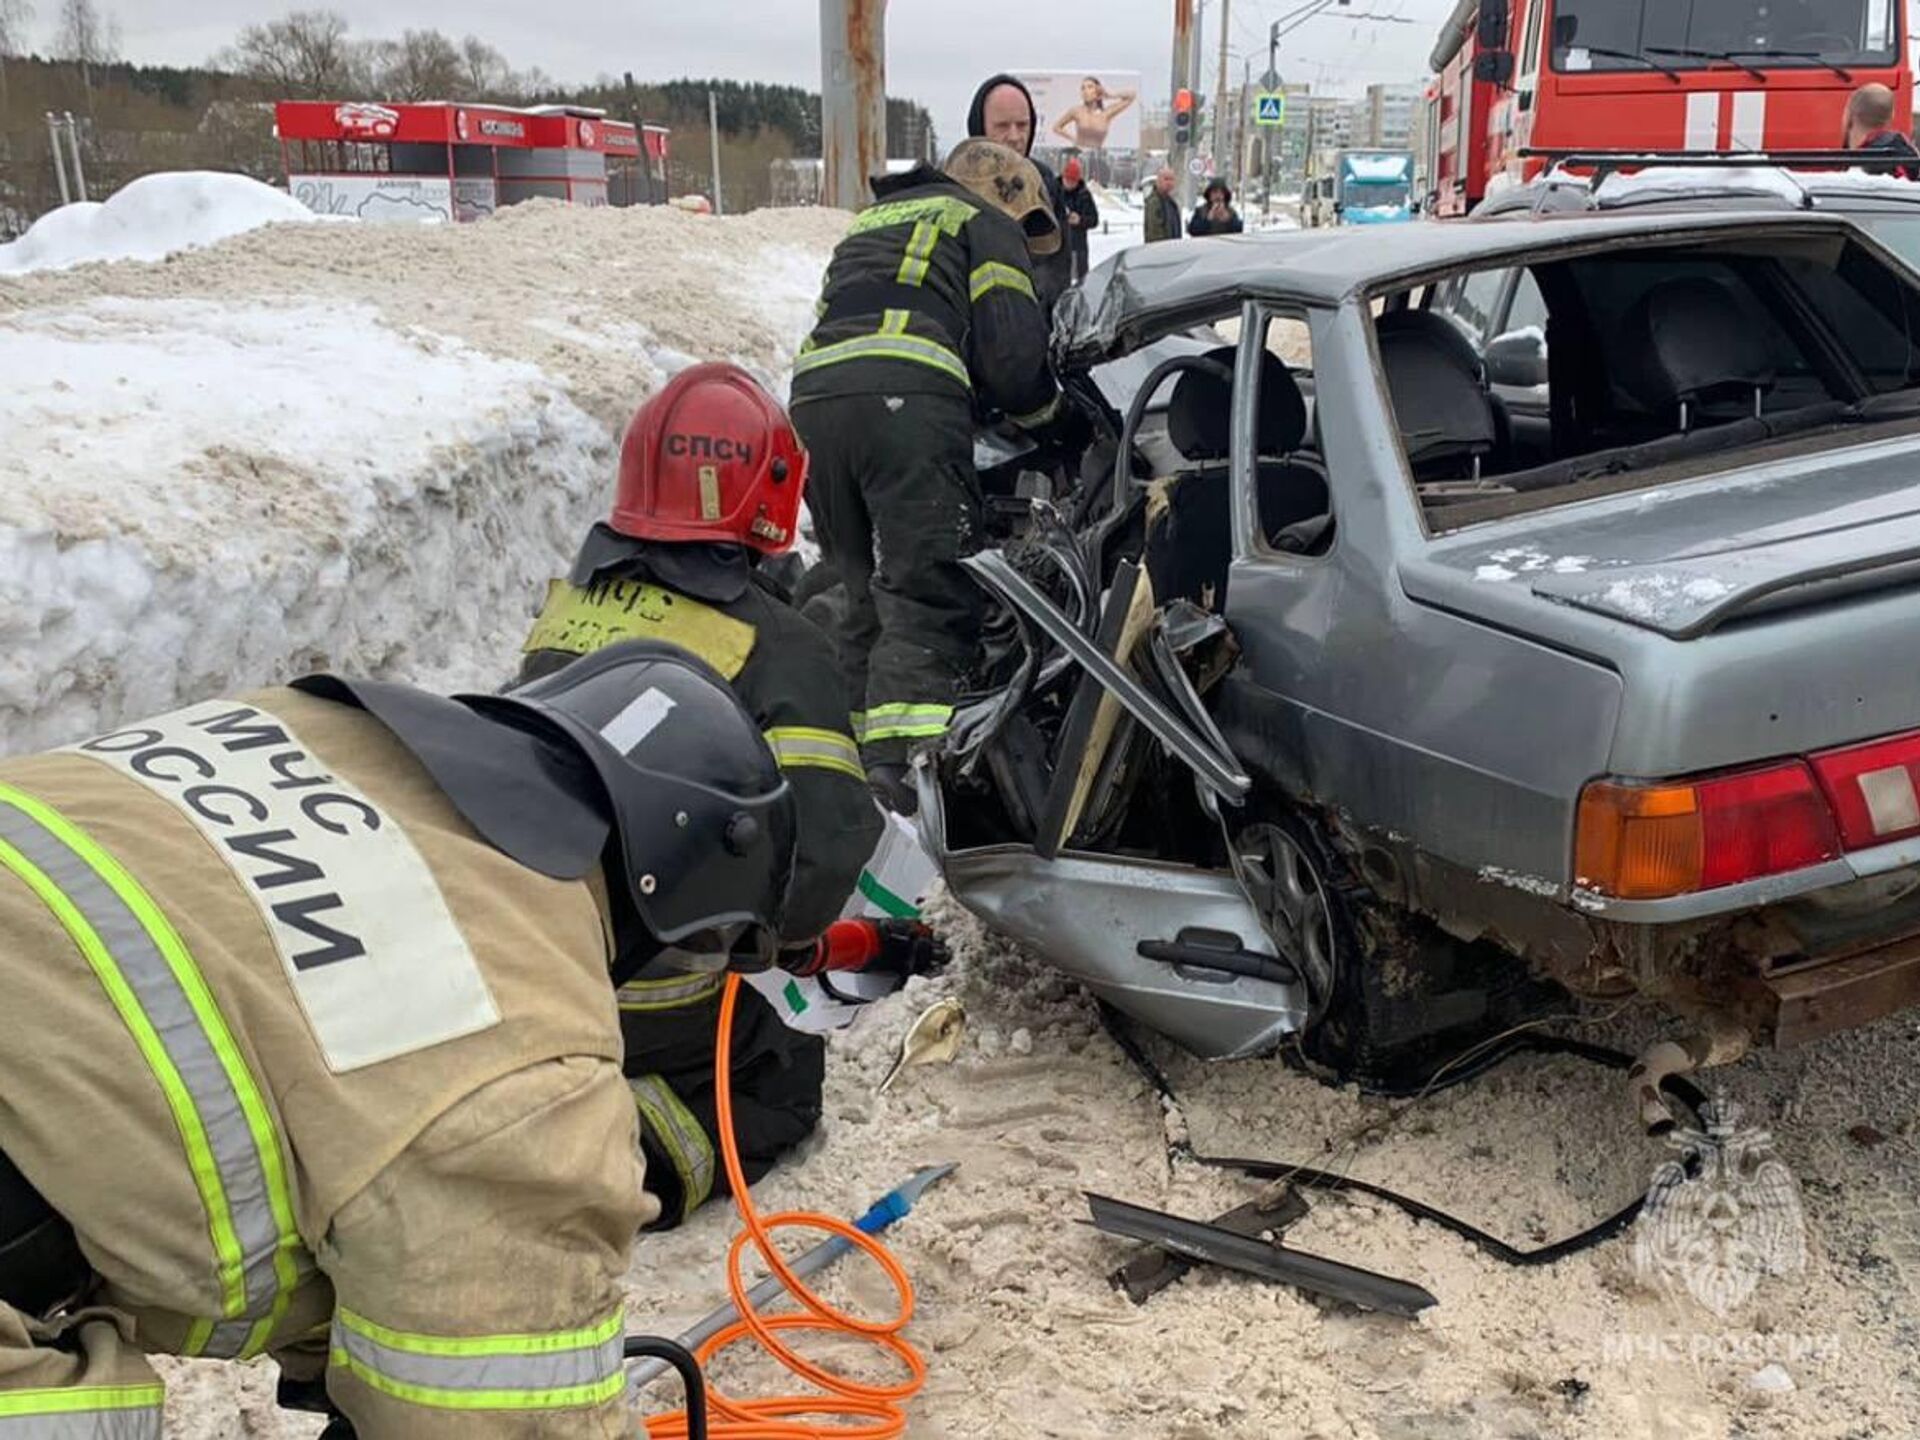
300 984
928 311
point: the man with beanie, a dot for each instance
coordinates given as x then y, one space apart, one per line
1003 112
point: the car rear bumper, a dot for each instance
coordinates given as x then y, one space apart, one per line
1753 894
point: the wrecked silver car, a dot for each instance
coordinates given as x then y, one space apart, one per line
1371 707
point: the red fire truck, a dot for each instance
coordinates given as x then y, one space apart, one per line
461 162
1518 81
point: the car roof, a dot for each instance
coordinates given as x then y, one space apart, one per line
1148 287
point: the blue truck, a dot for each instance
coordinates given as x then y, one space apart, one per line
1372 187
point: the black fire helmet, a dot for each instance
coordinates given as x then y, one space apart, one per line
659 773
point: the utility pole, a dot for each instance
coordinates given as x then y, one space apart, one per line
73 139
1221 161
1178 155
59 157
713 145
853 99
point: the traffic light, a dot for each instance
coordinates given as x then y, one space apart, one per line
1183 113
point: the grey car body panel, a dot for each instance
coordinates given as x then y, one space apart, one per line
1351 694
1085 913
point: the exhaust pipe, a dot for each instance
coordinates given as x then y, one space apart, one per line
1665 1059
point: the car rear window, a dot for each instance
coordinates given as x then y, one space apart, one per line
1561 379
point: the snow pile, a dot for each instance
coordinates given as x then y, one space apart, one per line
151 218
339 445
175 542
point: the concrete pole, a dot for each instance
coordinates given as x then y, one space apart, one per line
59 157
73 139
713 146
853 99
1221 159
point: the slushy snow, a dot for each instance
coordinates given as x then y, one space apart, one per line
151 218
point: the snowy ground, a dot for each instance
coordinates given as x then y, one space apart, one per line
364 447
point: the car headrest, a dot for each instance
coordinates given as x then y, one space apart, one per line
1200 414
1438 386
1692 338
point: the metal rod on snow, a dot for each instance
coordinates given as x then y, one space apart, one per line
895 1204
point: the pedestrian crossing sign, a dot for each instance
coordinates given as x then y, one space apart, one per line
1270 109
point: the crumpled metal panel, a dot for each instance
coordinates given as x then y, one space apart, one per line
1084 914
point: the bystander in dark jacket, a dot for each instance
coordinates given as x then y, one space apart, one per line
1163 211
1215 215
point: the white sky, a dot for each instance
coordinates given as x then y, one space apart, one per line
937 50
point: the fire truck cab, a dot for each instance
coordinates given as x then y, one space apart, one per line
1519 81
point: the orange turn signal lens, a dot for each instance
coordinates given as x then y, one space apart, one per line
1639 842
1652 841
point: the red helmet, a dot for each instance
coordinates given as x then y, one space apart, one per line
711 457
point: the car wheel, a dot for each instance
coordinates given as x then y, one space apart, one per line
1285 871
1392 998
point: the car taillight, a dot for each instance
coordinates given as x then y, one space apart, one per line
1874 789
1651 841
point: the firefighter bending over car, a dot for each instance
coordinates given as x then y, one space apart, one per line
928 310
711 482
309 1045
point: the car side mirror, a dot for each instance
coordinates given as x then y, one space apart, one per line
1518 358
1494 67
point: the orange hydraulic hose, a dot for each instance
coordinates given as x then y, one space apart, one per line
878 1410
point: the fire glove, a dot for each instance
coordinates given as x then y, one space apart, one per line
903 948
1067 431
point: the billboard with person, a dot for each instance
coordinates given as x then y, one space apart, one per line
1086 109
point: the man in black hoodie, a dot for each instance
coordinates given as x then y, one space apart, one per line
1003 112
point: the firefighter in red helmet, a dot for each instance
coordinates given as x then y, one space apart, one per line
711 481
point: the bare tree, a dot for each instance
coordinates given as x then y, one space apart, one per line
15 17
85 34
305 56
421 65
485 74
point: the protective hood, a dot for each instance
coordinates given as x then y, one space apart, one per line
532 797
977 111
716 573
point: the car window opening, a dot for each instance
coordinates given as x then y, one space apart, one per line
1545 385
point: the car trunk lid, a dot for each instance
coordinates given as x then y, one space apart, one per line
1684 560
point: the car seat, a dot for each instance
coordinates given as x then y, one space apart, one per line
1691 351
1451 425
1190 519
